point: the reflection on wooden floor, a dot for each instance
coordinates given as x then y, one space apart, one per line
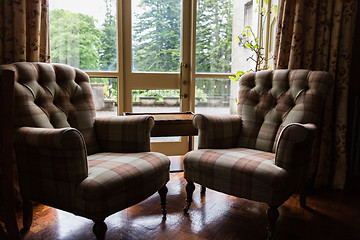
331 215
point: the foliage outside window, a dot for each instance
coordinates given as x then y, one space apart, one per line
77 40
110 87
251 40
74 39
159 94
214 36
156 35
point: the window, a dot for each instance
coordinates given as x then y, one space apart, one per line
83 34
248 13
158 49
214 44
156 35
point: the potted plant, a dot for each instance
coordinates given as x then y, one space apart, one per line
148 97
171 100
147 100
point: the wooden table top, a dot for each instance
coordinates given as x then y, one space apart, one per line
169 116
171 124
166 116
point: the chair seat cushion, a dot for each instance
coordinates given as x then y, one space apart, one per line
117 181
240 172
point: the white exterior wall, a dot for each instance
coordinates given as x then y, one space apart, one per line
240 53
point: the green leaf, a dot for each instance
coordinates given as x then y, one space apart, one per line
247 27
240 73
256 40
237 40
266 2
248 45
275 10
248 34
263 11
256 46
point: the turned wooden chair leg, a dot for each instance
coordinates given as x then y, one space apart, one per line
190 187
203 189
3 234
162 192
272 214
99 229
11 224
27 214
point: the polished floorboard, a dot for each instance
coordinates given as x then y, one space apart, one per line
330 215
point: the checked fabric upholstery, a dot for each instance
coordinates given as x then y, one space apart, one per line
69 159
262 153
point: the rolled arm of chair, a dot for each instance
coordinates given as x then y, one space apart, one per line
124 134
217 131
58 154
294 147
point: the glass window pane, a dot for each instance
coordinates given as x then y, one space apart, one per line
83 34
248 12
156 35
104 96
212 96
214 36
156 100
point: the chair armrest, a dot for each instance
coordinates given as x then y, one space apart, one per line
51 163
53 153
294 148
217 131
124 134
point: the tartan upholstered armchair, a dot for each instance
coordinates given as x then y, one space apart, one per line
71 160
262 154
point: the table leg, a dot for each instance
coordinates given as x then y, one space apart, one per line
190 147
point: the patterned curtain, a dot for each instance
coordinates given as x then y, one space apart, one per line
24 35
318 35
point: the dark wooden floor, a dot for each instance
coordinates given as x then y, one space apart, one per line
330 215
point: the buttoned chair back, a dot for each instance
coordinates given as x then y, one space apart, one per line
59 96
262 153
270 100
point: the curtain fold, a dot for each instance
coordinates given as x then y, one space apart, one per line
24 35
318 35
